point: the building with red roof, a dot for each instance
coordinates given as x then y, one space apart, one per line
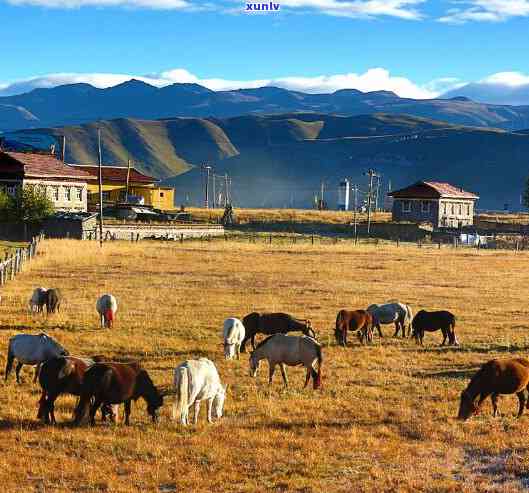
441 204
66 186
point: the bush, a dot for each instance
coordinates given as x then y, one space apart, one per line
30 204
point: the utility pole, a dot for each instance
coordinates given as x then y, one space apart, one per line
376 193
322 190
128 182
355 202
206 200
100 187
64 148
372 174
214 192
226 191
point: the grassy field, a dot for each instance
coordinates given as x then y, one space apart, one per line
384 421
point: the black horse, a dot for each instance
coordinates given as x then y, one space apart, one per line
432 321
273 323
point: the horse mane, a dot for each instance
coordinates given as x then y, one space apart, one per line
264 341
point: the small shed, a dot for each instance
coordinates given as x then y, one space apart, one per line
70 225
441 204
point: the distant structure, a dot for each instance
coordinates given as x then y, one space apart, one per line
441 204
343 195
142 188
66 186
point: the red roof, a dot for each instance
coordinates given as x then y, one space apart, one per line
118 174
38 166
432 190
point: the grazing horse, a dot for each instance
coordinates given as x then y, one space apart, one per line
30 349
392 312
357 320
38 300
107 306
63 375
273 323
114 383
195 381
281 349
497 376
233 333
432 321
53 300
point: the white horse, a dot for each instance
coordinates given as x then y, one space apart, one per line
38 300
194 381
233 333
281 349
107 306
392 312
30 349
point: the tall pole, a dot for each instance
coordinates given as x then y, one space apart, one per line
64 148
321 194
214 192
100 188
355 194
376 193
226 191
128 182
206 199
369 193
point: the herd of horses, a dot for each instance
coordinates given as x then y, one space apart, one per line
104 385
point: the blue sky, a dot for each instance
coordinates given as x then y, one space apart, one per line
416 48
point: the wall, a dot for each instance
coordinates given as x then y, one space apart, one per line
151 194
416 214
63 203
132 231
452 219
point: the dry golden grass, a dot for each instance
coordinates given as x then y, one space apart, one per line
286 215
383 422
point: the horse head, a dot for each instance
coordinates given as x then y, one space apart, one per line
150 393
218 402
254 364
339 336
467 406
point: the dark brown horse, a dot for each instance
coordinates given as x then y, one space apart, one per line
53 300
114 383
63 375
357 320
432 321
273 323
498 376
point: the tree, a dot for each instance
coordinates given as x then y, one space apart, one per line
30 204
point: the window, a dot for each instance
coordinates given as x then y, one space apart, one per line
453 209
406 206
11 190
459 209
68 194
106 195
468 209
79 194
425 206
53 192
161 194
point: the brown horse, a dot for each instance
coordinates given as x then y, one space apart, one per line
114 383
63 375
498 376
273 323
357 320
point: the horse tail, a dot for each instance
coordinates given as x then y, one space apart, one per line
453 330
10 359
409 314
182 396
66 370
316 375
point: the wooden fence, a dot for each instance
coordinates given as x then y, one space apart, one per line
13 262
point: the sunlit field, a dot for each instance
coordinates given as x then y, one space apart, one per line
384 421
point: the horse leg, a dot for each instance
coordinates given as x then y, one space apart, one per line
93 410
307 378
272 369
196 411
379 328
284 374
210 408
253 342
37 371
9 365
445 335
127 412
17 371
522 399
494 399
397 328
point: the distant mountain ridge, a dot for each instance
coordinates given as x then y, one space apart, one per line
75 104
280 160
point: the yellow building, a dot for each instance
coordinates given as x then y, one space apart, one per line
115 188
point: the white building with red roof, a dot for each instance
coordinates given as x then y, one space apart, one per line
441 204
65 185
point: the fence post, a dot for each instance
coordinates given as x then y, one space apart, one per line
398 241
439 244
312 239
270 239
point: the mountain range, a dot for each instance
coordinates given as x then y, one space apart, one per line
75 104
281 159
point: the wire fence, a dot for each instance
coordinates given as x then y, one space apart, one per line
13 263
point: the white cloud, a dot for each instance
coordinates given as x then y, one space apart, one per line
144 4
510 79
485 11
375 79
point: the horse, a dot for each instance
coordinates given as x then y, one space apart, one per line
273 323
497 376
281 349
53 300
107 306
37 300
30 349
432 321
114 383
195 381
357 320
63 375
233 334
391 312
